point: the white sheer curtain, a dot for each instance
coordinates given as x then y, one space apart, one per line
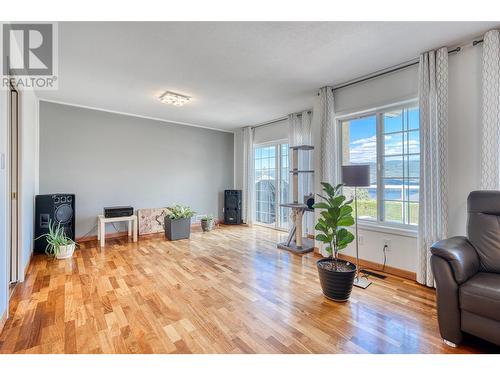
329 148
299 128
433 102
300 134
248 176
490 147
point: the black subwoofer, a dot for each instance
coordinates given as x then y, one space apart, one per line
232 206
59 208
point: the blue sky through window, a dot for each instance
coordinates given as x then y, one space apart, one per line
363 135
363 140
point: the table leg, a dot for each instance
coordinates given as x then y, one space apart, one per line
98 229
135 229
103 233
130 228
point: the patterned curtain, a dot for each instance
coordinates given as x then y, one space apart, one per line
248 176
433 103
329 146
490 147
300 134
329 138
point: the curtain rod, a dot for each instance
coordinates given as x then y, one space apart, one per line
299 114
395 68
388 70
269 122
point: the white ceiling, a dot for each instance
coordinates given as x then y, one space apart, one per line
238 73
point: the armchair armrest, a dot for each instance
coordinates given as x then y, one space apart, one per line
459 253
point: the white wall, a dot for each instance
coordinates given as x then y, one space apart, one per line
28 140
464 152
239 159
463 145
29 183
4 287
272 132
390 88
387 89
267 133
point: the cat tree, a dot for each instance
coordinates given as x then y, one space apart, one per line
295 242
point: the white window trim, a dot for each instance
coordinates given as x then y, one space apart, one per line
278 142
403 230
378 225
270 143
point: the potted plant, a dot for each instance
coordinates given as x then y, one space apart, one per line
58 244
178 222
207 223
336 275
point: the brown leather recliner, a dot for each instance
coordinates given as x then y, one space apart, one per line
467 274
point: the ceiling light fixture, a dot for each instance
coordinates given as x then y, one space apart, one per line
169 97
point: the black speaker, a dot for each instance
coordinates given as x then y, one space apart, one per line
232 206
59 208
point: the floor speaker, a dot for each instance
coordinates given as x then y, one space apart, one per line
232 206
58 208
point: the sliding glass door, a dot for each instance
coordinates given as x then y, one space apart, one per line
271 184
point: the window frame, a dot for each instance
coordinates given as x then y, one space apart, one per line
379 224
277 144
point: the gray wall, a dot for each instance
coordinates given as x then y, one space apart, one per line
109 159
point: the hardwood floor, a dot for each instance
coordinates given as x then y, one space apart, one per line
227 291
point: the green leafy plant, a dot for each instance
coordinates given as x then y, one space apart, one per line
55 239
336 214
180 212
207 218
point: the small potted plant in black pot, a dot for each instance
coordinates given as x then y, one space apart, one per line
178 222
336 275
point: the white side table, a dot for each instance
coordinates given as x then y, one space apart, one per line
101 226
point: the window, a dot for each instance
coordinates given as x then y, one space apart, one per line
388 141
359 146
271 184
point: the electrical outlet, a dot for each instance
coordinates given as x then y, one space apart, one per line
386 242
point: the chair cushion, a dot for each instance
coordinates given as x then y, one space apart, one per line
483 227
484 234
481 295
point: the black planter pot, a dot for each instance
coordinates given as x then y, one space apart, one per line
177 229
336 285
